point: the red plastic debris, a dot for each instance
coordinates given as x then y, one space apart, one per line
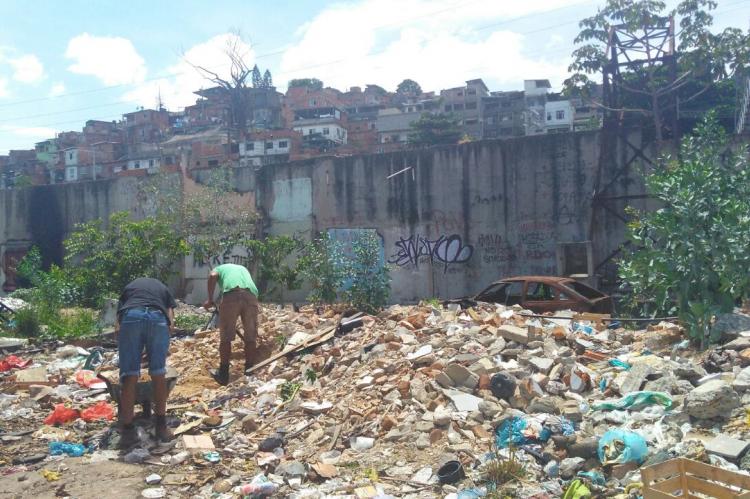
61 415
88 379
11 361
100 410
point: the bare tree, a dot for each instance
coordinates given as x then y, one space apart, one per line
234 87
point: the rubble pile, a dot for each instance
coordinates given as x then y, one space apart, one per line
417 402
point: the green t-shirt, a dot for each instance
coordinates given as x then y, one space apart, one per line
235 276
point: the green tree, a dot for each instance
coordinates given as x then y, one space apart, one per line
325 267
256 77
102 260
370 287
694 252
434 129
703 58
313 83
267 79
408 87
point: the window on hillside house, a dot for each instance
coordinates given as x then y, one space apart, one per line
458 107
471 105
459 93
472 121
448 107
269 145
250 146
283 144
150 163
70 155
471 91
213 162
560 115
312 131
137 164
549 116
326 131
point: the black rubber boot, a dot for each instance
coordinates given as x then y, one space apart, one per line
128 437
162 431
221 375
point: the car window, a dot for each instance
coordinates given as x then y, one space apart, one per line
562 296
494 294
514 293
539 291
585 290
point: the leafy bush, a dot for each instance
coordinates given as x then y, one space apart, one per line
72 323
370 287
694 252
26 322
272 258
190 322
101 261
324 266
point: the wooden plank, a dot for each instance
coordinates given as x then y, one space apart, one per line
713 473
711 489
649 493
661 470
669 485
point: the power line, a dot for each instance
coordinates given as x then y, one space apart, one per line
329 63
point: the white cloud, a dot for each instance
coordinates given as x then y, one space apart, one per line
57 89
439 43
4 92
113 60
27 68
35 133
176 89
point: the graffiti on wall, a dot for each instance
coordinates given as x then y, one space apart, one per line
417 249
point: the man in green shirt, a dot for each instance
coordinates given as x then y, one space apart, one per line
238 299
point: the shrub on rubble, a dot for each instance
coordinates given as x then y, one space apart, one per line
693 253
26 322
325 267
370 286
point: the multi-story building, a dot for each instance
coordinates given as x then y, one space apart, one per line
535 95
146 126
322 128
464 103
394 126
502 115
558 116
269 147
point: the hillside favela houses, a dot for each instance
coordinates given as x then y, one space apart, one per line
308 120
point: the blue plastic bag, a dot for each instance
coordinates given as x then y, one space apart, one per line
622 446
517 431
72 450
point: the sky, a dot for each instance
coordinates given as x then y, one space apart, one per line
62 63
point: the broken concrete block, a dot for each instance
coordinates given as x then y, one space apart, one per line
542 364
712 399
461 376
636 377
514 333
727 447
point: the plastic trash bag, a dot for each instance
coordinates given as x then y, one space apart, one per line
637 399
60 448
13 362
577 490
594 476
518 431
622 446
620 364
61 415
100 410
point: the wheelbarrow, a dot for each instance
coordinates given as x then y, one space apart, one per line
144 394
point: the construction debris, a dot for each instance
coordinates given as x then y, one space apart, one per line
417 402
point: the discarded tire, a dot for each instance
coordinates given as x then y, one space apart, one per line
451 472
503 385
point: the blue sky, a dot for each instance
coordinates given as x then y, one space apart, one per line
64 62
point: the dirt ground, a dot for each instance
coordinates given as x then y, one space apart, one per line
78 479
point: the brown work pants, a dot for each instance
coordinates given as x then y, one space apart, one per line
239 303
